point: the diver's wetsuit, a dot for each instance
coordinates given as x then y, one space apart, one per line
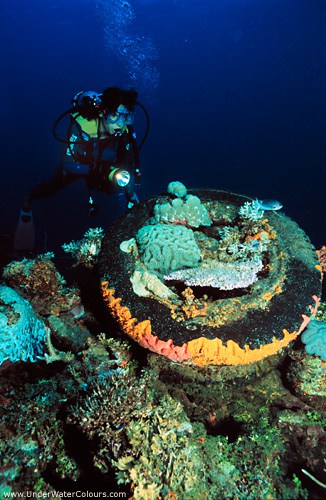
87 157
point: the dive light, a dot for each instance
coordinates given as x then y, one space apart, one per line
120 177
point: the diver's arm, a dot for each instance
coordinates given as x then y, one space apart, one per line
135 157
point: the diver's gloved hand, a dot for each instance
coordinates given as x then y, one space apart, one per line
132 200
103 170
92 208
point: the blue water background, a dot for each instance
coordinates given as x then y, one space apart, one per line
238 102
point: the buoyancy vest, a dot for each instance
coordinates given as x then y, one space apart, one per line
89 127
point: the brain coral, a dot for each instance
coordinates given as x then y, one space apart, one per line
22 334
166 248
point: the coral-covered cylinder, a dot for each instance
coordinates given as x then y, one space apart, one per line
209 278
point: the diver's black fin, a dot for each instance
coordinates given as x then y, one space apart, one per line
25 232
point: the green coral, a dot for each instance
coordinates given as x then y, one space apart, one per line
177 189
184 209
163 459
308 376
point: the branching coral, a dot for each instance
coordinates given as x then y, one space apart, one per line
251 211
106 411
235 246
85 251
163 462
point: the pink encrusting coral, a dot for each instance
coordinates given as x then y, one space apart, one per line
168 349
313 311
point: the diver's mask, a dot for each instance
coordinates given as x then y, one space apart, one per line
121 117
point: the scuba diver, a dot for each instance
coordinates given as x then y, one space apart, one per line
100 147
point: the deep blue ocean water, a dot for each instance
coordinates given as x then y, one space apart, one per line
235 90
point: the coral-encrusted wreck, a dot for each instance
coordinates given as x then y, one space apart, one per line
209 278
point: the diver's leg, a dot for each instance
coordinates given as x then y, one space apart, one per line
25 232
58 181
